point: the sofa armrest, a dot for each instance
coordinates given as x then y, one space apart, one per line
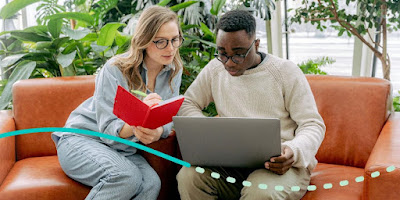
7 145
384 154
165 169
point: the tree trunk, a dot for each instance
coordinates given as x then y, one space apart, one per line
385 58
385 67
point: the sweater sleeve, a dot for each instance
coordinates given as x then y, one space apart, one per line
300 103
176 85
198 95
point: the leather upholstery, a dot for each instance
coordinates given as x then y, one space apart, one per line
330 173
354 111
40 178
358 141
386 153
46 103
165 169
7 156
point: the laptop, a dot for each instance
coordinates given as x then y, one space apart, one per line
228 141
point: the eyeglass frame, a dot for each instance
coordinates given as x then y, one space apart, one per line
180 37
240 55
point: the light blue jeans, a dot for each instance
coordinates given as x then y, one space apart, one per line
112 175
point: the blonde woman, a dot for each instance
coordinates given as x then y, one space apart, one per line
152 65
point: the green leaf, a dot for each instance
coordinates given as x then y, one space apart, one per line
10 60
76 34
216 7
22 71
29 36
41 29
68 71
203 41
57 43
14 6
72 15
70 48
206 30
107 34
43 45
188 26
164 2
90 37
54 27
121 40
182 5
98 48
111 52
341 32
66 59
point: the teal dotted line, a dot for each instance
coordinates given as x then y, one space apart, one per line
295 188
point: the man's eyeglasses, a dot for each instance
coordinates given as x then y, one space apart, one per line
237 58
163 43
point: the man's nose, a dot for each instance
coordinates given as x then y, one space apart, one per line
230 63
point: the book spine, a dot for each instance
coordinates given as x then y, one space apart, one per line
145 118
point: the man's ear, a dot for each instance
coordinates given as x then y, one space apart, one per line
257 44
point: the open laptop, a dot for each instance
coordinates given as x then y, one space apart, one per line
228 142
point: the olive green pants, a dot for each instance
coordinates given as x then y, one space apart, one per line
243 184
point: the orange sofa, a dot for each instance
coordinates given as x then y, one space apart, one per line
362 138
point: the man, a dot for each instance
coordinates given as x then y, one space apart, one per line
243 82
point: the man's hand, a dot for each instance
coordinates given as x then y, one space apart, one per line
152 99
148 136
280 165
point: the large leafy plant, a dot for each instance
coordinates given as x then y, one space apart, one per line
55 49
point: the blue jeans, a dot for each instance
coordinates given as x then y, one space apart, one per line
112 175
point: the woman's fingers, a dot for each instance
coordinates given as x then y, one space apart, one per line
152 99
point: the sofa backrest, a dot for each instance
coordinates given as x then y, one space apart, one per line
354 110
46 102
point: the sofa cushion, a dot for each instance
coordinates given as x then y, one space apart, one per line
354 110
46 102
40 178
330 173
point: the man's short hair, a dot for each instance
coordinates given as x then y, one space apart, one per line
236 20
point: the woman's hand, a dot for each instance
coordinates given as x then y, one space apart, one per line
148 136
280 165
152 99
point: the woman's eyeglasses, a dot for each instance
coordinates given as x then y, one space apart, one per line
163 43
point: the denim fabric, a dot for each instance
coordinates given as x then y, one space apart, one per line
110 174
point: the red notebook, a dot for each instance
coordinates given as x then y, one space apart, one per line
135 112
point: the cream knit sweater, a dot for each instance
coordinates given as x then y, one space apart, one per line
276 88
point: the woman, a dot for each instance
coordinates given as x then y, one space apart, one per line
152 65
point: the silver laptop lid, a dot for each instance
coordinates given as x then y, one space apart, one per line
228 142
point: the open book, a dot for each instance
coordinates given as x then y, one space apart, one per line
135 112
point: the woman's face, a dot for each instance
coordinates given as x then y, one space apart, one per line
159 56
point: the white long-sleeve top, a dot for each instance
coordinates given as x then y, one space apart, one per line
276 88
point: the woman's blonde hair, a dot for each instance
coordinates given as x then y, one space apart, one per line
146 29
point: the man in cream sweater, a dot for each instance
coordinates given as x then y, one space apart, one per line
243 82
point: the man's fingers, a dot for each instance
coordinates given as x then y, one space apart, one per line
281 164
279 159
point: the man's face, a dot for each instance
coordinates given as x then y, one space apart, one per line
237 43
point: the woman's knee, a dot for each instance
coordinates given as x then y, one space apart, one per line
153 181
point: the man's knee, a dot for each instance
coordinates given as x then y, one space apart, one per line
254 192
187 175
